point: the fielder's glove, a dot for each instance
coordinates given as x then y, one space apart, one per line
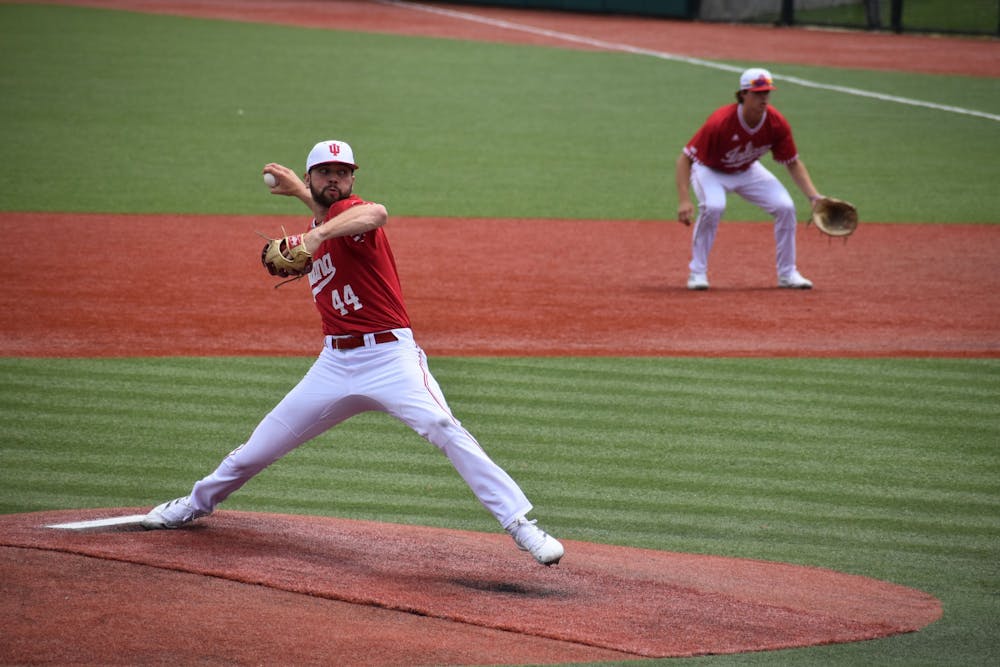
834 217
286 256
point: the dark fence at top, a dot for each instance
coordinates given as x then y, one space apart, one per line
969 17
684 9
966 17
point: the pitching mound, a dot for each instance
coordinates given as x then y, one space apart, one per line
240 587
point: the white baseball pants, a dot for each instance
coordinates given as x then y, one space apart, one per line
758 186
389 377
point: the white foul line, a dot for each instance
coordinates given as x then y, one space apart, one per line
890 98
99 523
663 55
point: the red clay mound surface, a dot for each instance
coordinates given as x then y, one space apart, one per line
273 585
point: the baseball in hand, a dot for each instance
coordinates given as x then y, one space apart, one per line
270 181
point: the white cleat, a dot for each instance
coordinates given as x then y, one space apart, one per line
546 549
698 281
171 514
794 280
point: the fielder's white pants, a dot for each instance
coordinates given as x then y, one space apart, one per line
389 377
758 186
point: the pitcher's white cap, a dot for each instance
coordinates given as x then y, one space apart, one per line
756 79
330 151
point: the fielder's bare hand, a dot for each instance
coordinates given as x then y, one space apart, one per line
682 176
685 212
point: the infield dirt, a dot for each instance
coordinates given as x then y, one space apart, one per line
892 290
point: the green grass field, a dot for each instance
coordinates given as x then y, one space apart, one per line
883 468
112 111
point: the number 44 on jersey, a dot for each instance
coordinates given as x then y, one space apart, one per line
344 298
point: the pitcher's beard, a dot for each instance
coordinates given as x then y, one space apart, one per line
324 198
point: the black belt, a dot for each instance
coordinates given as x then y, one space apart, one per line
353 342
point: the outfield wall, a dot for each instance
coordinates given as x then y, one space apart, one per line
711 10
970 17
685 9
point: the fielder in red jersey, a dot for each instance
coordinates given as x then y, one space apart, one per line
724 156
369 360
725 142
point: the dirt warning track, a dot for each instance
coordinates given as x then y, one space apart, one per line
718 41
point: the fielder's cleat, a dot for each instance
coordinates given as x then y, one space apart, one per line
171 514
794 280
698 281
546 549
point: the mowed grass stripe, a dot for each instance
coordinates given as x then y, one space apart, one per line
680 454
816 449
818 452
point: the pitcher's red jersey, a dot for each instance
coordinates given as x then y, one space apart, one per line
355 283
